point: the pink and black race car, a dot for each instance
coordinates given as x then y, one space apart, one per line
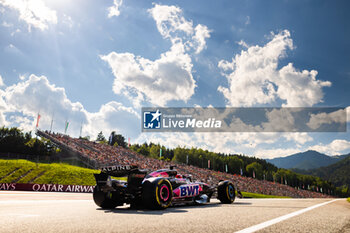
155 190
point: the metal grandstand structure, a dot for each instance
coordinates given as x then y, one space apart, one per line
65 148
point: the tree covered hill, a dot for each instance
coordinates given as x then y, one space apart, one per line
338 173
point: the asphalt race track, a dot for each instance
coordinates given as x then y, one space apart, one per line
75 212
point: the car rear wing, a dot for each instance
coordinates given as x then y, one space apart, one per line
119 170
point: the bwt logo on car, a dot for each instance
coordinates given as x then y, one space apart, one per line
191 190
152 120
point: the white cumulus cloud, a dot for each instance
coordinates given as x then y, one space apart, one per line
217 142
25 99
275 152
168 77
172 25
170 21
37 95
299 138
254 78
336 147
3 108
316 120
34 12
201 34
1 81
114 10
113 116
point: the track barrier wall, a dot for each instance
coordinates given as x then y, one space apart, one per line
46 187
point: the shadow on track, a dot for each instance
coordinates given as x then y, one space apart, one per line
172 209
242 203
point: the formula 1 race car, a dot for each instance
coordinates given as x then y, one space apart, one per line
155 190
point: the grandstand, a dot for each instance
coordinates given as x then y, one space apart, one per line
96 155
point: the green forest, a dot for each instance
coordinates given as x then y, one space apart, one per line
15 141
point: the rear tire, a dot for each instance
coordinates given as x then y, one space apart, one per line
104 199
226 192
157 194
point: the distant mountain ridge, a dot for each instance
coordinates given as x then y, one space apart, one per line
306 160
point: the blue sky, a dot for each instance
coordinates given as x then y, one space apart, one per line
96 63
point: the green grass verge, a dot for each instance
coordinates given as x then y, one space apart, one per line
30 177
54 173
4 170
15 175
257 195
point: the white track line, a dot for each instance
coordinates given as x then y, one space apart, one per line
282 218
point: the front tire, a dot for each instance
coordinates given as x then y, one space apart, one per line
104 199
226 192
157 194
